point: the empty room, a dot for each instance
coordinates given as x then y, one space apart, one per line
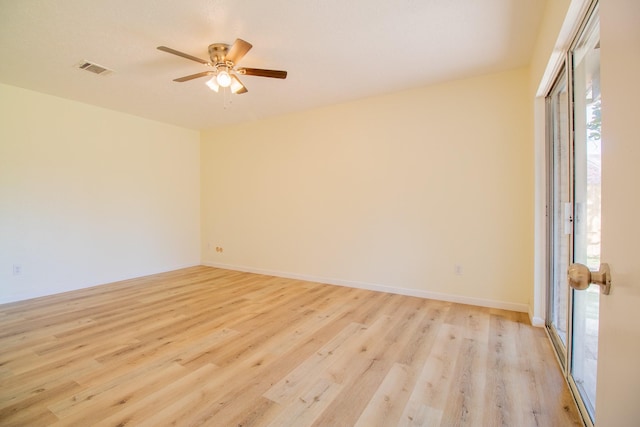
319 213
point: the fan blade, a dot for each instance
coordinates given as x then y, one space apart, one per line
182 54
194 76
236 85
238 50
276 74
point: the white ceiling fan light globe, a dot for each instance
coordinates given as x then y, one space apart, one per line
236 86
213 84
223 78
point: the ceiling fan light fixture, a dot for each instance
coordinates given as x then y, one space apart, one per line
223 78
213 84
223 67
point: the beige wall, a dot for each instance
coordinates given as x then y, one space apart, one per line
89 196
387 193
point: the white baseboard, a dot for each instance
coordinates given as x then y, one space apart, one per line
481 302
537 321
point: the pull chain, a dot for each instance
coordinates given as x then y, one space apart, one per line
226 94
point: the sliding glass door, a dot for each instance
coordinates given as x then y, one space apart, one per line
585 61
573 220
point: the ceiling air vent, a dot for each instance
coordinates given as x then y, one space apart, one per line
94 68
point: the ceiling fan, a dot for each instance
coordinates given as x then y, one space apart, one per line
224 59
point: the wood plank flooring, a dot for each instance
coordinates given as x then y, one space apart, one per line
205 346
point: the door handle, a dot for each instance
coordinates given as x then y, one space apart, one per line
580 277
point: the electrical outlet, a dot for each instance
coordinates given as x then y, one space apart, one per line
17 269
457 269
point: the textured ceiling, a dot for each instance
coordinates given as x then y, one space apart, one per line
334 50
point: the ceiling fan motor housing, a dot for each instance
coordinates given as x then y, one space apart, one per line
218 52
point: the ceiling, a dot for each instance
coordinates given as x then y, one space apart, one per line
334 50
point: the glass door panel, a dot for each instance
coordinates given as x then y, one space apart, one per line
573 221
585 58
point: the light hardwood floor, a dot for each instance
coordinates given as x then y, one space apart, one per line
205 346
